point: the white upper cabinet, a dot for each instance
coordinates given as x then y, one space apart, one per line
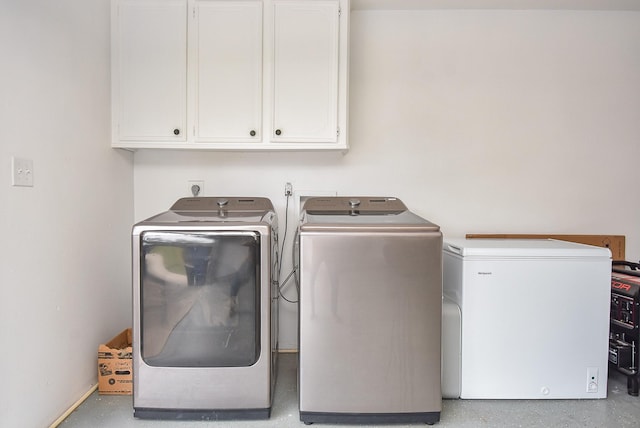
226 55
230 74
306 45
149 66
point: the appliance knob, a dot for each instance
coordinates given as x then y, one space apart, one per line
222 202
354 202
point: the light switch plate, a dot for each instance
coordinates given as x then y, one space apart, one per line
21 172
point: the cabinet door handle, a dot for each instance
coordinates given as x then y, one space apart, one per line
252 133
176 131
278 132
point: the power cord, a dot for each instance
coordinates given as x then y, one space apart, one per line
284 241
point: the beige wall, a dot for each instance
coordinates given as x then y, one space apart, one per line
64 257
481 121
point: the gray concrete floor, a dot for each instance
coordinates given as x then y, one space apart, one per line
618 410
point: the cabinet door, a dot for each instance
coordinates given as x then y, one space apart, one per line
227 58
149 70
305 71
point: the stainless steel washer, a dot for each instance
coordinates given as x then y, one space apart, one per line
205 310
370 312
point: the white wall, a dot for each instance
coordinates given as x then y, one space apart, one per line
513 121
64 258
482 121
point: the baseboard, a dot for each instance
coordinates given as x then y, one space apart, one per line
74 406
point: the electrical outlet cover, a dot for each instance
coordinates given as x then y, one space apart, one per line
192 183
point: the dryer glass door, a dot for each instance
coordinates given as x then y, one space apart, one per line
199 298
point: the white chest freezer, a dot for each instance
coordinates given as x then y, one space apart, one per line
535 317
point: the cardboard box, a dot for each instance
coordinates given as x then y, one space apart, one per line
115 370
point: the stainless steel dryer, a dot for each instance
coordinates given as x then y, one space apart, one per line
205 310
370 312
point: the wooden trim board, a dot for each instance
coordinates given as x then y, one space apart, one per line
615 243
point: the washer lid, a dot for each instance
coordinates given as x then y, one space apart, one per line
354 205
361 212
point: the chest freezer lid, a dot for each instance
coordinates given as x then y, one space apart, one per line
216 209
521 248
341 212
